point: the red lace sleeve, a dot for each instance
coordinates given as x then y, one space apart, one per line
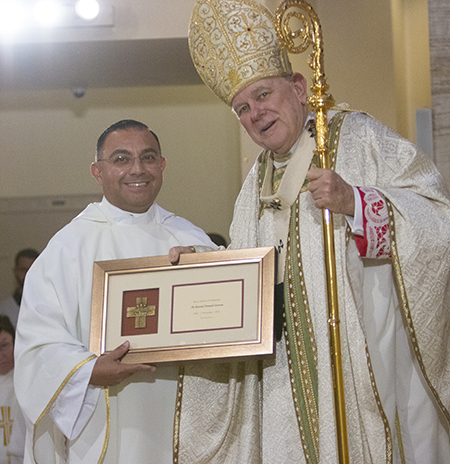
376 242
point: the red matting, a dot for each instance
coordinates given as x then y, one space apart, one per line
130 300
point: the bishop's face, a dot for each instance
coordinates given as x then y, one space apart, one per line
130 169
273 111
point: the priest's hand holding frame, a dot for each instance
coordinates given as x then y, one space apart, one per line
110 371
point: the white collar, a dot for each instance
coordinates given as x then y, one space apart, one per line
120 216
294 176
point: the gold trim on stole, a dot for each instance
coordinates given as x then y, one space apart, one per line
387 427
108 424
294 304
404 306
57 393
398 429
176 421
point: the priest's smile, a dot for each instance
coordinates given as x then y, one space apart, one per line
136 184
131 169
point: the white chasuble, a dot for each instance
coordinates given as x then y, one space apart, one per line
394 319
134 423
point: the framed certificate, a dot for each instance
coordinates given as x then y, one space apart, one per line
211 305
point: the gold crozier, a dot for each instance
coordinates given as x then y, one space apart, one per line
310 33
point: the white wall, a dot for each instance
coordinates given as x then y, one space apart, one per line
359 62
47 138
47 142
376 60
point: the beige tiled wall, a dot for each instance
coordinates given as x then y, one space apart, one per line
439 25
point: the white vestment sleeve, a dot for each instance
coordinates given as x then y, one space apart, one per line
76 402
356 221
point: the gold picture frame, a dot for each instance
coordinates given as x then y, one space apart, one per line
211 305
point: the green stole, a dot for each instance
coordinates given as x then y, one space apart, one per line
299 331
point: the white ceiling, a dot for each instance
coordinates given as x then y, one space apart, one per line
96 64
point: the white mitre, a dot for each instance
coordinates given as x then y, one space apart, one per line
233 44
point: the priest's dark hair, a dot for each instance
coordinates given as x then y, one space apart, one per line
124 124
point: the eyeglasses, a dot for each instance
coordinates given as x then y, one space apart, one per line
126 160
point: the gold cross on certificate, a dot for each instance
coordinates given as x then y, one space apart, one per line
140 312
6 424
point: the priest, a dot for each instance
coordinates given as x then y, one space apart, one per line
80 408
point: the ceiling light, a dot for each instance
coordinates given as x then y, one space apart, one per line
87 9
12 16
48 12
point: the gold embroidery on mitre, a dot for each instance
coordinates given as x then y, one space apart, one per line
234 78
234 44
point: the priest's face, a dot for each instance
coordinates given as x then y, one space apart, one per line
130 169
273 111
6 352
